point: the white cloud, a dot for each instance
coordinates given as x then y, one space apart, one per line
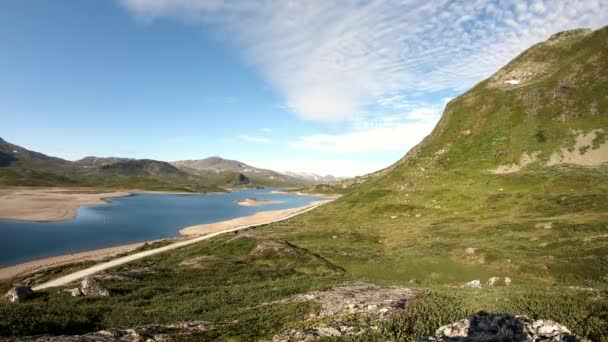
253 139
330 58
386 133
266 130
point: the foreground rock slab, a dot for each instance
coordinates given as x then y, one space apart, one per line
152 333
344 308
503 327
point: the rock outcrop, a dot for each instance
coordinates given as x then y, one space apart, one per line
341 306
18 294
502 327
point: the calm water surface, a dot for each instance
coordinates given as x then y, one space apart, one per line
125 220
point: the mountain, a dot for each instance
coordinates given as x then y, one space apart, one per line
313 177
95 162
256 175
141 167
22 167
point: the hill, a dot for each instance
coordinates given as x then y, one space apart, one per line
22 167
521 150
256 175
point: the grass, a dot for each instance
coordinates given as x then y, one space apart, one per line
226 286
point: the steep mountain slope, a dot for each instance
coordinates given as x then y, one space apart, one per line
256 175
513 181
20 166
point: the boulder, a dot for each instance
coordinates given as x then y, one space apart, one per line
93 287
18 294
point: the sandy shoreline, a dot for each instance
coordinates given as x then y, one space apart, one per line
50 204
41 264
328 196
193 231
60 204
257 218
254 202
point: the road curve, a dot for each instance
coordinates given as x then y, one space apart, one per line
61 281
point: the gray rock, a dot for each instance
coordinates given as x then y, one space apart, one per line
93 287
476 284
75 292
456 329
18 294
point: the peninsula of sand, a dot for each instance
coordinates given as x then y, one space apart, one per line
49 204
61 204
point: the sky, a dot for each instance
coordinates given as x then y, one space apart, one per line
342 87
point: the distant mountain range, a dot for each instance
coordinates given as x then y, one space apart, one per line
20 166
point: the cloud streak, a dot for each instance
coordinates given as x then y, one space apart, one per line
330 59
253 139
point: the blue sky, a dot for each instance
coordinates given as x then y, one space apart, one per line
344 87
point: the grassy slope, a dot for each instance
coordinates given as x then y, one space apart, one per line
410 226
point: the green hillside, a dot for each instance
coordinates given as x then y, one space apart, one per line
416 219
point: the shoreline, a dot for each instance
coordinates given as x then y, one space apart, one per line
61 203
186 234
298 193
34 266
258 218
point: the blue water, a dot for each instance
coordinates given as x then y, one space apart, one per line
125 220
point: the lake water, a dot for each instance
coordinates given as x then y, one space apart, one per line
125 220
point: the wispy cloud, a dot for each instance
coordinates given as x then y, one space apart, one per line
253 139
266 130
331 58
398 132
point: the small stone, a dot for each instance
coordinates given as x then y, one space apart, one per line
334 237
372 307
75 292
476 284
393 216
469 251
18 294
328 331
544 225
499 281
418 215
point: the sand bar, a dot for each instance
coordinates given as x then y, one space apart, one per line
254 202
49 204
